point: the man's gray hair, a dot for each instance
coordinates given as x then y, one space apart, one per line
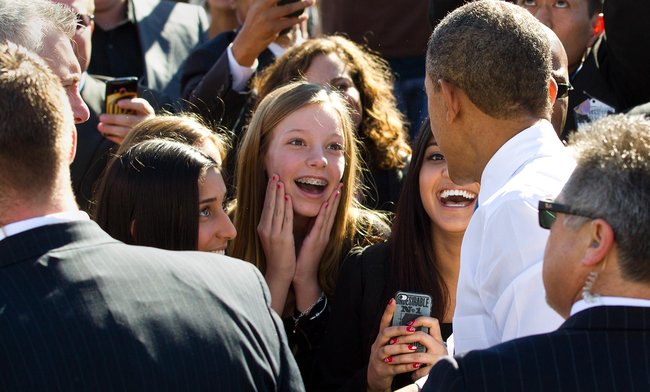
28 22
612 181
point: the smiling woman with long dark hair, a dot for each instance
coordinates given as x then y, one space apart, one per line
360 350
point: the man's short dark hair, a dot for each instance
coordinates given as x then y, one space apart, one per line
496 52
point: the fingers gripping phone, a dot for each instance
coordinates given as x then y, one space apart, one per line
118 89
410 306
291 15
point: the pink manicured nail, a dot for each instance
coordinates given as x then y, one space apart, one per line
273 177
410 323
388 359
392 341
412 347
416 365
391 301
286 198
410 329
327 204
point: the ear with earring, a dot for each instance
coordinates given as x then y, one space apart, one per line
587 295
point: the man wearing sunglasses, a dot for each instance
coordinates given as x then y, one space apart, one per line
596 274
490 111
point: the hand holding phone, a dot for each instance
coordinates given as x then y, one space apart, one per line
410 306
118 89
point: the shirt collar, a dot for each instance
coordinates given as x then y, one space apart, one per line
32 223
515 154
609 301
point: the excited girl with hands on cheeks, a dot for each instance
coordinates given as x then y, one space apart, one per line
296 214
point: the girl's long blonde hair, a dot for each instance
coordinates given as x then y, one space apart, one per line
353 226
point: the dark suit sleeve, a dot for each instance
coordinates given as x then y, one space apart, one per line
289 378
341 363
445 376
207 83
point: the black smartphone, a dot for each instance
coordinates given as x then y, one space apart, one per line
118 89
291 15
410 306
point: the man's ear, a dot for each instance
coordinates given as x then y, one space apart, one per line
601 242
598 26
552 90
73 149
451 99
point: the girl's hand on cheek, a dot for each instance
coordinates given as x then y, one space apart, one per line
275 231
306 278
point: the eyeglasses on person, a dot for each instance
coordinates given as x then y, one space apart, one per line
563 90
547 213
83 21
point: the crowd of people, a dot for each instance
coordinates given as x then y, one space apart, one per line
286 168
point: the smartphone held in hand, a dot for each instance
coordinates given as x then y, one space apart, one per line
118 89
410 306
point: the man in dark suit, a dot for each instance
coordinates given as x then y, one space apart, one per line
82 311
147 38
596 272
216 75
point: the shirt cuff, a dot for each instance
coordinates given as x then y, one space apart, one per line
240 74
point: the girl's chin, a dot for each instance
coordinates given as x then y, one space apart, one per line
302 210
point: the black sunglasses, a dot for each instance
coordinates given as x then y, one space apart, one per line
547 213
563 90
84 21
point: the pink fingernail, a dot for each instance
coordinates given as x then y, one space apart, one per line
286 198
327 204
410 329
388 359
416 365
392 341
410 323
391 301
412 347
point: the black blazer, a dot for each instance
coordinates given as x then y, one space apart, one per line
82 311
604 348
93 149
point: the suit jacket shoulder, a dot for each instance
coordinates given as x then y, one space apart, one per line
84 311
579 356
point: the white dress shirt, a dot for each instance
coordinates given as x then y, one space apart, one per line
500 291
609 301
32 223
241 75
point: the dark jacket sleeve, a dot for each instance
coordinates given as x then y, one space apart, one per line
445 376
207 85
